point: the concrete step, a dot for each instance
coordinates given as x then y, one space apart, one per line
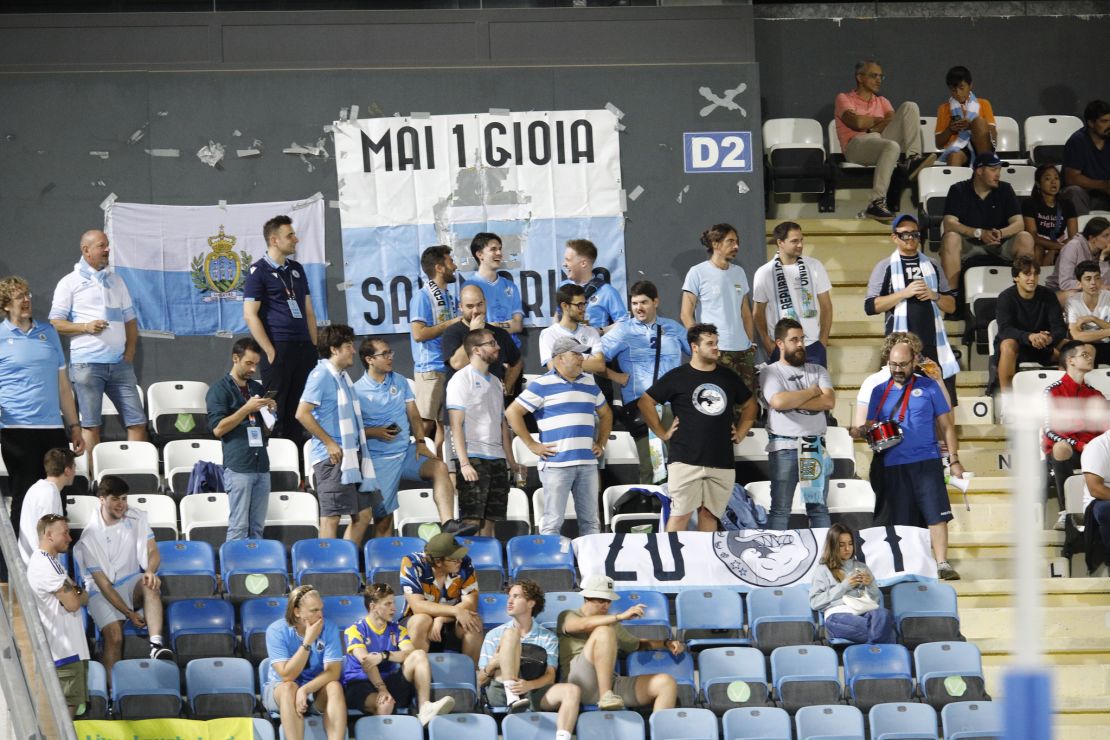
859 249
1081 726
834 226
847 331
1056 592
992 460
989 517
1090 623
850 377
1075 688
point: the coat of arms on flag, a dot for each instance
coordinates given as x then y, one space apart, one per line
221 272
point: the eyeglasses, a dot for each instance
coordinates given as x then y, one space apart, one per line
908 236
900 365
577 304
875 75
24 297
387 354
486 344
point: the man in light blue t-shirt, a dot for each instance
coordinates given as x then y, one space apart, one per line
503 304
604 304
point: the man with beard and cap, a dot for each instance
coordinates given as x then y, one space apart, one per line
912 474
797 394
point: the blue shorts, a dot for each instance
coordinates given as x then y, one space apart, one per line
916 494
92 380
389 471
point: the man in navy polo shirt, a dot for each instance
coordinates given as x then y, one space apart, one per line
278 312
1087 161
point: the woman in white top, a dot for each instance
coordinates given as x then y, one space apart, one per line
839 575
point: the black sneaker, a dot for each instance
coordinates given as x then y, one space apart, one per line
877 210
915 164
160 652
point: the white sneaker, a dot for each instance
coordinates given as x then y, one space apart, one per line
434 708
1061 522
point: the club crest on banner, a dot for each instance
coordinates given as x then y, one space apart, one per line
220 273
764 558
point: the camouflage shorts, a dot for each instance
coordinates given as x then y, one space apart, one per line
741 362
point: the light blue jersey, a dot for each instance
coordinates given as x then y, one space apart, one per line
632 344
427 357
604 307
383 404
29 365
502 299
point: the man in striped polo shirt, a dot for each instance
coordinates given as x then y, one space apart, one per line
564 402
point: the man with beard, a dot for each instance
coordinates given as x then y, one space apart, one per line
797 394
912 474
1087 161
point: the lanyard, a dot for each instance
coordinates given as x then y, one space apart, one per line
905 399
289 292
245 391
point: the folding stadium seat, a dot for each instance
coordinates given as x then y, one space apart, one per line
518 517
804 675
161 512
751 456
220 687
256 615
5 488
836 155
877 674
1045 137
453 674
710 617
529 460
1008 144
622 725
1020 178
825 721
111 424
557 602
489 562
620 462
201 628
949 672
292 516
982 284
1082 221
928 134
655 624
80 510
760 491
180 455
415 506
343 611
681 666
1073 495
546 559
794 150
188 570
932 188
967 719
309 472
285 464
895 721
491 608
781 616
145 689
462 727
177 409
1099 378
136 641
79 487
647 522
96 707
925 612
852 502
570 516
251 568
839 443
389 727
382 557
313 728
263 729
733 677
204 517
757 723
330 565
1031 383
135 462
529 726
680 724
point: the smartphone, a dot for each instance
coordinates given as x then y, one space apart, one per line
394 427
270 395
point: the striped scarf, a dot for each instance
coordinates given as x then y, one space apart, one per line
948 364
352 435
970 111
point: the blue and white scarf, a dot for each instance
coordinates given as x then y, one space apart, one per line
948 364
351 432
968 111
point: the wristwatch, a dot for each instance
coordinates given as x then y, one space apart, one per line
978 233
307 646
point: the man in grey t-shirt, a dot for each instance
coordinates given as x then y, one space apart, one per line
797 395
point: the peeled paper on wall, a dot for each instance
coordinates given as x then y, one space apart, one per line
535 179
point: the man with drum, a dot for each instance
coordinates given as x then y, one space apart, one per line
903 418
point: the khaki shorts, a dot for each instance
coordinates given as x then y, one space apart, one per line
431 389
973 248
584 676
74 678
691 486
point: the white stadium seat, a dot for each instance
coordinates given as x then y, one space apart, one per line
1008 143
161 513
285 468
1045 137
177 409
204 517
1020 178
135 462
180 455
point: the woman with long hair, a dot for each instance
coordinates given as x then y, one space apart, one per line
1050 220
840 575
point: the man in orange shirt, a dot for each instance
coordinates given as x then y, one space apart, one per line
965 123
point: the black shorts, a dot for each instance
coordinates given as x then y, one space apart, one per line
399 688
915 493
487 497
451 642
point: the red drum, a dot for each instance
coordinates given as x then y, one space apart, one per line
882 435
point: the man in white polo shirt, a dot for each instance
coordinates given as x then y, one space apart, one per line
572 439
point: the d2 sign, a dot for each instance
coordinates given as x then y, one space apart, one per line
717 151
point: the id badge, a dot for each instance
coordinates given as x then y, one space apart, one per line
294 309
254 436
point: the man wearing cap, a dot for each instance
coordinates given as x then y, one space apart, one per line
519 659
441 592
589 641
912 292
982 216
564 401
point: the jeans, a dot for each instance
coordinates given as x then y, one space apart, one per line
876 626
784 479
247 495
581 481
1100 509
93 380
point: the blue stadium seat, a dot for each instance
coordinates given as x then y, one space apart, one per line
899 720
201 628
453 674
240 559
220 687
655 624
780 617
934 662
529 726
188 570
967 719
256 615
389 727
382 556
556 602
462 727
829 721
489 564
647 662
600 725
330 565
491 608
96 707
710 617
877 674
805 675
683 724
733 677
546 559
925 612
313 728
757 723
343 611
263 729
145 689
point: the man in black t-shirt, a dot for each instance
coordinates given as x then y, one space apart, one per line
472 307
703 398
1031 326
1087 161
982 216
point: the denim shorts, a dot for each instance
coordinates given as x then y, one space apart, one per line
93 380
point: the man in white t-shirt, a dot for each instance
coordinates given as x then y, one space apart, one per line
1096 492
1088 312
59 601
45 497
790 287
571 299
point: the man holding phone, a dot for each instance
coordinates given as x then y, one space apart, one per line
235 403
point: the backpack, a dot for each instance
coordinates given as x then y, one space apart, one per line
742 512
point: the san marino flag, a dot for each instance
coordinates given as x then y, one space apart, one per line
185 265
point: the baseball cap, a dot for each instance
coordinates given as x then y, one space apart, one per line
900 218
990 159
444 545
568 344
599 587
